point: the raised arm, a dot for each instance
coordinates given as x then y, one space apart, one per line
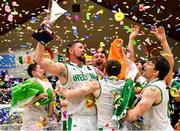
132 36
161 36
49 65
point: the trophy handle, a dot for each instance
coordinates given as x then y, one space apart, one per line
49 8
46 22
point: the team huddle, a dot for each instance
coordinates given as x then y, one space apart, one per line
110 92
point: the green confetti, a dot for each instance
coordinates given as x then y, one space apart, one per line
18 28
136 42
127 28
158 10
64 50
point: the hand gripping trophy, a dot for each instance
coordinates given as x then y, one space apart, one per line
44 34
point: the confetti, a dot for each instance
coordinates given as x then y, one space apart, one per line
127 28
10 18
7 8
14 3
99 1
90 7
177 29
88 16
119 16
33 20
100 12
76 18
74 30
141 7
139 47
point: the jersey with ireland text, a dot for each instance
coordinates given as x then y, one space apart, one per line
77 76
156 118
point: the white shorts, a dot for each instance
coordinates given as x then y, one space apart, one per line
82 123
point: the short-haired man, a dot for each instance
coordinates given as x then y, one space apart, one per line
99 59
81 111
36 117
154 102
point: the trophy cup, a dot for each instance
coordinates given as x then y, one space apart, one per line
44 34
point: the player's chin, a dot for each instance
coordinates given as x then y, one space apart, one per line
82 58
99 67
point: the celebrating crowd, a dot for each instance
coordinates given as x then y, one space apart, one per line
113 91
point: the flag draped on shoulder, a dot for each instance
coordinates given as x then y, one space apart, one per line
123 102
23 93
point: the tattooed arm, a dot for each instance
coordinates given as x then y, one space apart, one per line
150 96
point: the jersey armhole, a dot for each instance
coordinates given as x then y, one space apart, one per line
161 96
99 91
66 76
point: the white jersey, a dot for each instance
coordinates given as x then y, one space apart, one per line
132 70
36 115
142 80
105 102
76 77
156 118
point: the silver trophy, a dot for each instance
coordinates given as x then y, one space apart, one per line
44 34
